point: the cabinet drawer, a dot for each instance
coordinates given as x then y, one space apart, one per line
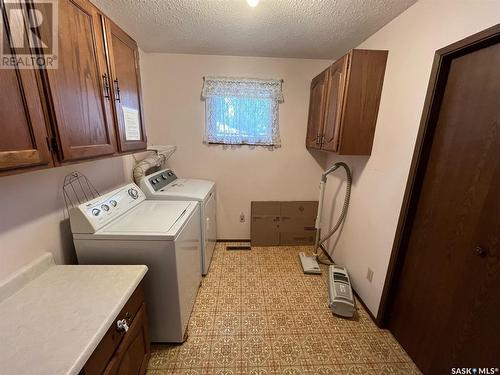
133 353
104 351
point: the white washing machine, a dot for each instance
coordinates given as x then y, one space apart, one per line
122 227
164 185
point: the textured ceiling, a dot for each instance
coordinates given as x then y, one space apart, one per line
278 28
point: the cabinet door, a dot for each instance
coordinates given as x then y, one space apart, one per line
81 108
334 102
123 59
23 142
317 103
131 357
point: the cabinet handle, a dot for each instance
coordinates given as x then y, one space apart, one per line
480 251
319 139
105 84
117 89
122 325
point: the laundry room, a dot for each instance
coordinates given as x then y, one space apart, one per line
249 187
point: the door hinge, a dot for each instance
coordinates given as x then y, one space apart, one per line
52 143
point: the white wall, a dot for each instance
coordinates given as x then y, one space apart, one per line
175 115
379 182
32 218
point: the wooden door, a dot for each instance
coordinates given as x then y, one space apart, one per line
132 356
81 103
23 142
334 103
123 59
446 304
317 103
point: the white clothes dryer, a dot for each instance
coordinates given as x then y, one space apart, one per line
164 185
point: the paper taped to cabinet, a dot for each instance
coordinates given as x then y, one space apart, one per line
132 124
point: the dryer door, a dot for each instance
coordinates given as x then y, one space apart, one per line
210 229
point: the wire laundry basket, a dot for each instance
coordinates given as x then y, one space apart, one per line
77 189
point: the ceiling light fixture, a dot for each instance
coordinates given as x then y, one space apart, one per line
253 3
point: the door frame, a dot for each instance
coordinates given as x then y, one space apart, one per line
425 136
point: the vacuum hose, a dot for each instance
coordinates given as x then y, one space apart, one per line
343 213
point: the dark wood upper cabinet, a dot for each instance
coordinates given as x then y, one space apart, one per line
317 103
89 106
123 62
345 118
79 100
334 100
23 142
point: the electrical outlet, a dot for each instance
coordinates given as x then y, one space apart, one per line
369 274
242 217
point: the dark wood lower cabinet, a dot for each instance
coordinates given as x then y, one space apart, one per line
120 352
132 355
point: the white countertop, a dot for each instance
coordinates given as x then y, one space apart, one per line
53 323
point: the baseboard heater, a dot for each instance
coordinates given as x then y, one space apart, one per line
341 299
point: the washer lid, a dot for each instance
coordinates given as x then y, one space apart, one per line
151 217
185 188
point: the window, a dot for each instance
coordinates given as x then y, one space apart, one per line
242 111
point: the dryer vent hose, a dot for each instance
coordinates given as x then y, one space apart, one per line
141 169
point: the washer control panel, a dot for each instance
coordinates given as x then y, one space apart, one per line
161 179
93 215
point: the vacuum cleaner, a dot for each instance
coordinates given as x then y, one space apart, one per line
341 299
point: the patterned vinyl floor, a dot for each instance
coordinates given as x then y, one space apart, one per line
257 313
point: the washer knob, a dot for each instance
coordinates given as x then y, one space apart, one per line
163 176
96 211
113 203
105 207
133 193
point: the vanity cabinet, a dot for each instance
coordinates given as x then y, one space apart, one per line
123 352
89 107
344 101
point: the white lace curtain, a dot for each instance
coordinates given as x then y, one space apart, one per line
242 110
